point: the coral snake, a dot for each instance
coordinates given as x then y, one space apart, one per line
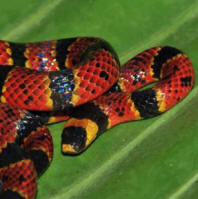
56 77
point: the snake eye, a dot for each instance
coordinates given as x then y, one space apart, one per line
73 140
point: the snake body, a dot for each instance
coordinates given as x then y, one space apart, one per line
60 75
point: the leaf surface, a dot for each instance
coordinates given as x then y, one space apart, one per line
155 158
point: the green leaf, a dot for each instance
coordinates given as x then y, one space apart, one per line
155 158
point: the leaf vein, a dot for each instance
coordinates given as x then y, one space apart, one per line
33 19
163 33
182 189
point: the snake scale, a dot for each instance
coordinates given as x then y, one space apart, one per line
79 79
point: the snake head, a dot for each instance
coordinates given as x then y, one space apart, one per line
77 135
73 140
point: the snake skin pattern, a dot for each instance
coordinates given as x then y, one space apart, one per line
76 79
